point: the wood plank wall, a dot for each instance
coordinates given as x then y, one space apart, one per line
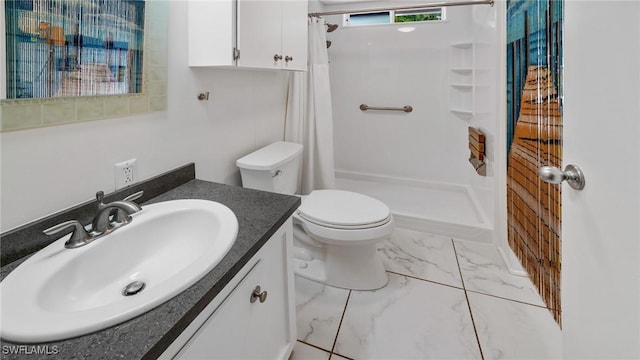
535 138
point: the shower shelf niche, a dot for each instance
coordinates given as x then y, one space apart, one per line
462 80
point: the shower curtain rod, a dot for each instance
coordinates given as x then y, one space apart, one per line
406 7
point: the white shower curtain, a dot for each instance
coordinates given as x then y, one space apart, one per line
309 121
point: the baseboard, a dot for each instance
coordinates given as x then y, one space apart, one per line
456 231
511 261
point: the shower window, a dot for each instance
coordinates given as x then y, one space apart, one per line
368 19
394 17
418 15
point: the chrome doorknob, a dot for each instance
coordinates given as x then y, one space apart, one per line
572 174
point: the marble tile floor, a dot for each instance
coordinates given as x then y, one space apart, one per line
446 299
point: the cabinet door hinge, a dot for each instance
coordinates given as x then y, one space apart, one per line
236 54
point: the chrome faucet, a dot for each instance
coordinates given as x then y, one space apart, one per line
121 211
108 217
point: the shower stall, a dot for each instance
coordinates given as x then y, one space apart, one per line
417 161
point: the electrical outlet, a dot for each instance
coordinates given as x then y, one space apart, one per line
125 173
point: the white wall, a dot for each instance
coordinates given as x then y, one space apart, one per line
485 30
499 145
380 66
45 170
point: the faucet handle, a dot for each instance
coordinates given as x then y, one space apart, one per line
100 196
134 196
78 238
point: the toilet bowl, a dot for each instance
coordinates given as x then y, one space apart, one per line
335 232
336 236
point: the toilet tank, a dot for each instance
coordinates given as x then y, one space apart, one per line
273 168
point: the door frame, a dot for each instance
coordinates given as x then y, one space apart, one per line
500 150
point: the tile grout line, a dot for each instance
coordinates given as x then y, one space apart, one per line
335 340
473 322
314 346
342 356
513 300
426 280
502 297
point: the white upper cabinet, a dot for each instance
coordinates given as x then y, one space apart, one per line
294 34
258 34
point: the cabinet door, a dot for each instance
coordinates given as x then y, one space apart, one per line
241 329
211 32
259 32
294 34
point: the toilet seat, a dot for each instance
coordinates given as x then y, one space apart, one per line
345 227
344 218
343 209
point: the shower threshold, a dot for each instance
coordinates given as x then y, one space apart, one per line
445 209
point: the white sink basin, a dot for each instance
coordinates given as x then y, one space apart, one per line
60 293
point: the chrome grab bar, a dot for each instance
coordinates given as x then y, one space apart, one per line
406 108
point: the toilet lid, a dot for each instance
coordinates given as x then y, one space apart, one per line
343 209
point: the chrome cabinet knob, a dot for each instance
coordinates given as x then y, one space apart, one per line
258 294
572 174
277 57
288 58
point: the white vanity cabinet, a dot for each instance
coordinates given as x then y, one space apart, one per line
257 34
243 322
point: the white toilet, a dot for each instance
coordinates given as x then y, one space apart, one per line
335 232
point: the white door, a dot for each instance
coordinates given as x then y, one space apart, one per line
600 224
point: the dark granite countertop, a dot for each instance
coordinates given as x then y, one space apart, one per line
259 215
